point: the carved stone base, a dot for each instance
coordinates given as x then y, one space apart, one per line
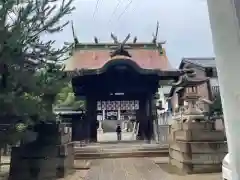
47 163
196 148
51 156
195 168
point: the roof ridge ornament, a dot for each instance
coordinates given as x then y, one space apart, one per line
135 40
120 48
154 40
74 35
155 36
96 40
114 38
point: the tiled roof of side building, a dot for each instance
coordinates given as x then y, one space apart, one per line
95 56
203 62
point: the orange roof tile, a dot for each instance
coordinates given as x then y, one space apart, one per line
146 58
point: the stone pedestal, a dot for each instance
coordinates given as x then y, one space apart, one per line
51 156
196 148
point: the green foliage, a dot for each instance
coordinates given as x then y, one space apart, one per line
31 73
67 98
216 107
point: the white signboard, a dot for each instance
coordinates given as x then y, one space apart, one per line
115 105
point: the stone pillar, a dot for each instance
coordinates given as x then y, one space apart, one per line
224 19
100 122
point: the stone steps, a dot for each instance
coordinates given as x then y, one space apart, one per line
119 146
121 154
118 150
107 149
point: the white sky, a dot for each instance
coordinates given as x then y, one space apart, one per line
184 24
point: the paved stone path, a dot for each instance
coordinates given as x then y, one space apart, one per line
128 169
124 169
138 169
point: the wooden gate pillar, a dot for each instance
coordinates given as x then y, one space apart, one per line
77 134
141 116
149 106
91 118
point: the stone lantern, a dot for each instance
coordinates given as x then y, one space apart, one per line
194 146
190 83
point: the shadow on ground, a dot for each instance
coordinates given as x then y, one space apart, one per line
171 169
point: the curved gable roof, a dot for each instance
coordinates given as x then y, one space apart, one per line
95 56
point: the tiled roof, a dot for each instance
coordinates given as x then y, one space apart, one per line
95 58
203 62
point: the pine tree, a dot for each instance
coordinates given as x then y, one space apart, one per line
31 73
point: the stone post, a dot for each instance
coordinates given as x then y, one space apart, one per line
100 129
225 19
124 124
100 121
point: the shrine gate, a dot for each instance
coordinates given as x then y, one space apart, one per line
119 76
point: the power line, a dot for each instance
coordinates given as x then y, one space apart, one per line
96 8
115 10
126 8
